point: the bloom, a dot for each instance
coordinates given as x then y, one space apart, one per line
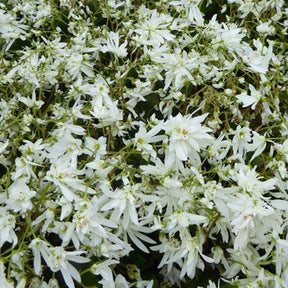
7 224
3 281
248 180
20 196
57 259
112 45
186 137
63 174
256 61
154 29
143 138
178 65
248 100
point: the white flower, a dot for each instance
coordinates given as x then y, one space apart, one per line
282 259
33 149
136 234
28 70
153 31
123 202
191 252
66 144
58 261
241 139
249 181
181 219
7 224
3 146
258 145
10 28
169 248
98 90
66 231
257 60
186 137
219 148
103 269
159 169
63 174
231 36
248 100
108 114
24 168
192 10
143 138
179 66
266 28
39 248
113 45
3 281
32 102
90 224
47 216
19 196
66 207
283 149
253 220
76 63
95 146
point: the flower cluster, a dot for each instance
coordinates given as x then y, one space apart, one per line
143 143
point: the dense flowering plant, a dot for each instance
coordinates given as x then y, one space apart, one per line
143 143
